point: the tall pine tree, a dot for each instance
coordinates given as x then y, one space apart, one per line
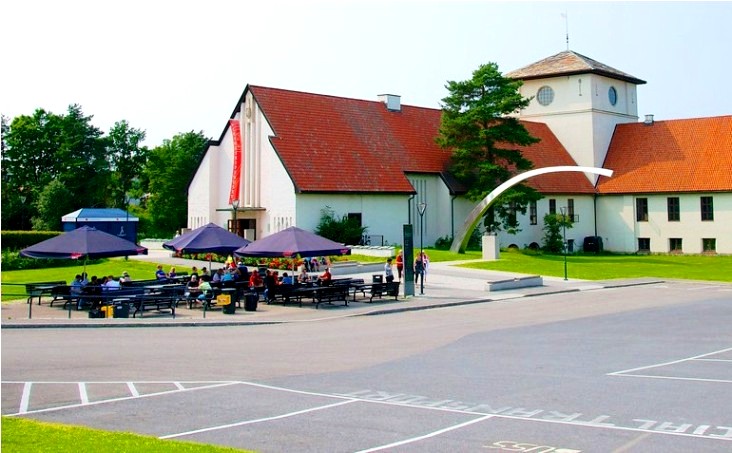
478 126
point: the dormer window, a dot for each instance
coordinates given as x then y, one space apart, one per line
545 95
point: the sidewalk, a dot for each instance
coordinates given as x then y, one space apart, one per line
445 285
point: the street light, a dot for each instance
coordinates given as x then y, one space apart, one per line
564 238
421 208
234 207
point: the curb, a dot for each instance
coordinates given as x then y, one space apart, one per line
378 312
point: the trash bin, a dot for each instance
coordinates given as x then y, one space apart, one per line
250 301
377 278
592 244
229 309
122 311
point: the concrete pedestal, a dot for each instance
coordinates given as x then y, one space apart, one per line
491 251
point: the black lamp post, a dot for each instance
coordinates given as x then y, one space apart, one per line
564 238
234 207
421 208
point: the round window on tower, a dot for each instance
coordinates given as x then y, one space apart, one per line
545 95
612 95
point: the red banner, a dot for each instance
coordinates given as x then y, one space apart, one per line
236 172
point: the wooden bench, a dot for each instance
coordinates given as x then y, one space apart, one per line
379 290
330 294
40 289
284 293
158 302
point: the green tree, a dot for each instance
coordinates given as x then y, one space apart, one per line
167 173
344 230
45 147
127 159
484 138
54 201
553 237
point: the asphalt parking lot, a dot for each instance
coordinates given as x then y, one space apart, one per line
645 368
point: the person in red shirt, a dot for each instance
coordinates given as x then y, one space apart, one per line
400 263
325 278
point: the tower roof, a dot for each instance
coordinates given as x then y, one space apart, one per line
569 62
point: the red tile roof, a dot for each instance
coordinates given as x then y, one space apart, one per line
688 155
334 144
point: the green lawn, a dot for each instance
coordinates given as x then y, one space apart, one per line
24 435
604 267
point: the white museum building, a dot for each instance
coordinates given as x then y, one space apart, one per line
285 156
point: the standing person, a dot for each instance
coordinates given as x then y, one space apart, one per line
425 264
400 263
418 269
388 272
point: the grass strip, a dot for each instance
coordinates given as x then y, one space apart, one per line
20 435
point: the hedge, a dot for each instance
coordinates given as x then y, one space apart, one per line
17 240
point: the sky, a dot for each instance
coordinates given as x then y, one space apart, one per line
169 67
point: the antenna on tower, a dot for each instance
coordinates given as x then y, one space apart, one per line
565 15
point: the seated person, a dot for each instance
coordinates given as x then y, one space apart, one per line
172 274
160 273
255 281
286 279
325 278
303 276
125 278
194 271
77 285
205 288
270 284
218 275
112 284
228 276
193 282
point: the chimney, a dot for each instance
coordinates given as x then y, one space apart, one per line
649 120
392 101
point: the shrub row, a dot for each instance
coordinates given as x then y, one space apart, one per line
17 240
12 261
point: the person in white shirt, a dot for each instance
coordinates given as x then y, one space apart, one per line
388 271
112 284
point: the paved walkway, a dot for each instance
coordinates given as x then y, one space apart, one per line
445 285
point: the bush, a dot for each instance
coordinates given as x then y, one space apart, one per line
12 261
553 239
17 240
345 230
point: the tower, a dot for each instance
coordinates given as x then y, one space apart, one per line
581 100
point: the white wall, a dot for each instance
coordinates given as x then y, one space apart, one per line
584 225
621 231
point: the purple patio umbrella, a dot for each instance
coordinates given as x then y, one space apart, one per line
209 238
291 242
84 242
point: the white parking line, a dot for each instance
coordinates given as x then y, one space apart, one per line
259 420
426 436
675 378
133 389
25 398
113 400
82 394
617 373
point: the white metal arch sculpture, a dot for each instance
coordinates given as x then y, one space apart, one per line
461 239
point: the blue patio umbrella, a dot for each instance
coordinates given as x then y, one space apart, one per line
209 238
85 242
291 242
